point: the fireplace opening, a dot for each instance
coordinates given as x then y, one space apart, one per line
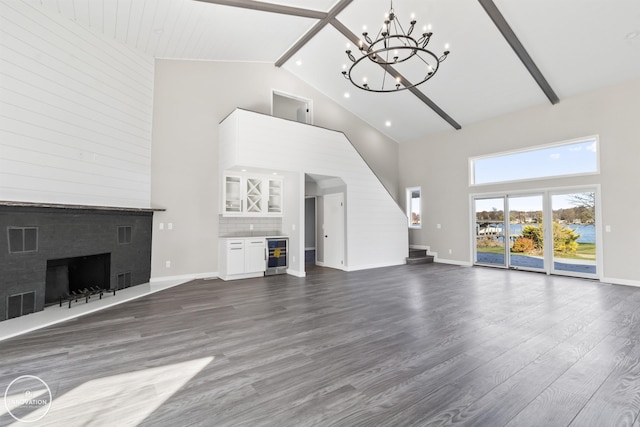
68 275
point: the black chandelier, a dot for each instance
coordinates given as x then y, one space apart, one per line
405 61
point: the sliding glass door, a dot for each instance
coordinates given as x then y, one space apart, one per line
574 233
551 231
526 232
490 231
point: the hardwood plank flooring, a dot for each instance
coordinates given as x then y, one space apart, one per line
414 345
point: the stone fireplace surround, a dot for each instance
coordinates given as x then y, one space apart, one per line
69 235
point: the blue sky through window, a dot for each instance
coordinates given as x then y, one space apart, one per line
560 160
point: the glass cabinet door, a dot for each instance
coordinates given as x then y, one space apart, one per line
232 194
275 196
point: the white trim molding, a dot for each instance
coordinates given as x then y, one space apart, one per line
625 282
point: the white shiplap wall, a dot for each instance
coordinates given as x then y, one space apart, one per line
75 112
377 233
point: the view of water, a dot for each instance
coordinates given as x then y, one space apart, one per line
587 232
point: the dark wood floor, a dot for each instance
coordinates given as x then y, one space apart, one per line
409 345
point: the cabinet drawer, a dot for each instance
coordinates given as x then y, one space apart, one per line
235 244
255 243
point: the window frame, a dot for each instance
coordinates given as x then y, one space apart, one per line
472 160
126 232
23 229
408 193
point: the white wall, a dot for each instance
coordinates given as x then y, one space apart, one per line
293 220
190 99
439 164
75 113
376 228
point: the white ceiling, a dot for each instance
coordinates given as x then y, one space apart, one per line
578 45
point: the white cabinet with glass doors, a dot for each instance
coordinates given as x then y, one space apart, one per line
252 195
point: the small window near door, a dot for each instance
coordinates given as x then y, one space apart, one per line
414 207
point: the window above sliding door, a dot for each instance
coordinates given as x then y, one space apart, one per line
569 158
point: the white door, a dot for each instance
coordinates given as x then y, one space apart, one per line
333 229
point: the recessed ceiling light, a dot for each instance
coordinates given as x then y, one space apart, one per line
347 95
298 62
387 123
243 170
632 35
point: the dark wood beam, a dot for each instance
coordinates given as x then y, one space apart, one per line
335 10
393 72
511 38
269 7
324 19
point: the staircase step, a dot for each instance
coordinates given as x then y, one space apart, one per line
419 256
416 253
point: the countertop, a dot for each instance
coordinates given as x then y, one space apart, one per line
256 234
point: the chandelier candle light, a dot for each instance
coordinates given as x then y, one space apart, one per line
405 61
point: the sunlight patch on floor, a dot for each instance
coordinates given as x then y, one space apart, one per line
128 398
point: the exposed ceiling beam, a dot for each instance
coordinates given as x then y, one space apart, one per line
324 19
393 72
269 7
504 27
337 8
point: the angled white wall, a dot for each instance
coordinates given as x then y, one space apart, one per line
376 227
75 113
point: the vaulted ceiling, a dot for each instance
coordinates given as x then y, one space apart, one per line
505 56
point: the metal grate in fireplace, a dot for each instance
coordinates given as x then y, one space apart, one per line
68 275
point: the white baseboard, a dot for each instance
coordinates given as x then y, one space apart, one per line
242 276
296 273
452 262
185 277
369 266
625 282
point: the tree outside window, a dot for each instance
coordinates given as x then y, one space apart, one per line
414 208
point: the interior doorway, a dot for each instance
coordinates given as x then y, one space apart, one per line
310 230
291 107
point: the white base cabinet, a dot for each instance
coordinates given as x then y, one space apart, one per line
242 258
